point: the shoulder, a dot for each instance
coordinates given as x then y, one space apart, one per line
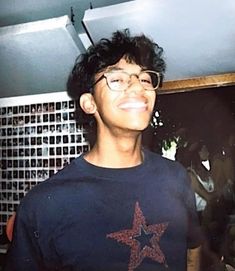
171 175
56 187
166 165
169 172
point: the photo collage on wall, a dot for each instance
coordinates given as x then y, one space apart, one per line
38 137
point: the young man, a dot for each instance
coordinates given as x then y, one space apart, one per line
119 206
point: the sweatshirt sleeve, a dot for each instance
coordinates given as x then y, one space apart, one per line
24 253
194 235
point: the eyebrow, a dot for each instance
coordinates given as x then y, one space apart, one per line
113 69
110 69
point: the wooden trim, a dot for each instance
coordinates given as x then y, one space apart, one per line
197 83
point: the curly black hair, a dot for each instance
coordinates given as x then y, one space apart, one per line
140 50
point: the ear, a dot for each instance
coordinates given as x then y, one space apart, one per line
87 103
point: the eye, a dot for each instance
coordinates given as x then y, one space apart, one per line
116 78
145 78
146 81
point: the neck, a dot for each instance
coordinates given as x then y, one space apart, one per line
116 152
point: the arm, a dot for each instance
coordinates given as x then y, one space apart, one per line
24 253
195 233
198 188
217 173
193 259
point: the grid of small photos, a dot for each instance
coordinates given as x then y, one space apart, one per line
38 137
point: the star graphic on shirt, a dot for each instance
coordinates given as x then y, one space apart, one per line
143 240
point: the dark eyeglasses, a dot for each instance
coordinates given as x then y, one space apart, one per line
121 80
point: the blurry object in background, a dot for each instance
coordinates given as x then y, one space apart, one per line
223 167
199 172
10 226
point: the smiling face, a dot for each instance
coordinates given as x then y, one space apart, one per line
128 110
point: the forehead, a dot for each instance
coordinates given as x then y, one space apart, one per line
126 65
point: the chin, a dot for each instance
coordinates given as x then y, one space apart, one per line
138 127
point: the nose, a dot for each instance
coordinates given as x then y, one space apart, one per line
135 85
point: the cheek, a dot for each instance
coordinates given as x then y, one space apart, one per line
105 100
152 98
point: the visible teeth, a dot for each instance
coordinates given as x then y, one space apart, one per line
132 105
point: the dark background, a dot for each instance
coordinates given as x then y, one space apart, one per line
207 115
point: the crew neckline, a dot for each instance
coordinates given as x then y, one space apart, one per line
106 172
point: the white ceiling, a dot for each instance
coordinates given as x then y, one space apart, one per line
37 57
198 37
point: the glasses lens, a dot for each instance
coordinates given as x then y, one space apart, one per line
150 80
117 81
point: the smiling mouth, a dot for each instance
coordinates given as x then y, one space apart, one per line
133 105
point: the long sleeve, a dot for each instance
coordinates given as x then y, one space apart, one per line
24 253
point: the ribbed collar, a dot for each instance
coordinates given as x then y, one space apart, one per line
107 173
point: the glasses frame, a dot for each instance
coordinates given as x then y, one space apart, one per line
130 75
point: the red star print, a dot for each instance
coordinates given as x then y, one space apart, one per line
129 237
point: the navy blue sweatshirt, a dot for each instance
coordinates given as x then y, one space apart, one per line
91 218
